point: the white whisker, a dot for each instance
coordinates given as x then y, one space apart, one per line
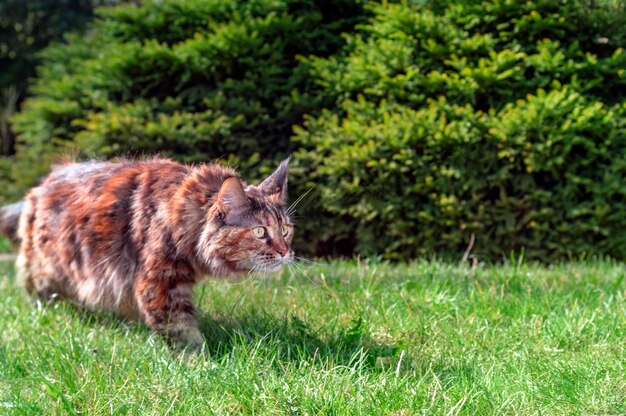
250 281
298 267
290 268
252 273
305 260
292 207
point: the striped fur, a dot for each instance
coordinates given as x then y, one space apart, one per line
135 236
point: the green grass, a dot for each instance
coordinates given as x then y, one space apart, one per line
422 338
5 245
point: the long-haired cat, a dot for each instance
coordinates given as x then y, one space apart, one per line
135 236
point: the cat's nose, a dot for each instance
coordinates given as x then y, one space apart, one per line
282 251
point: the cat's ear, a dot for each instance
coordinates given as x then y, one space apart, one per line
275 185
231 197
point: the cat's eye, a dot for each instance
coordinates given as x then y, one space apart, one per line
258 232
285 230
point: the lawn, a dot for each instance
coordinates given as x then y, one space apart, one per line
347 338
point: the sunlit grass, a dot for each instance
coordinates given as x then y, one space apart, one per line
348 338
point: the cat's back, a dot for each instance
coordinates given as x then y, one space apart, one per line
97 185
98 176
90 206
93 193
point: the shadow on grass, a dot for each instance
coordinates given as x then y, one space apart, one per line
290 338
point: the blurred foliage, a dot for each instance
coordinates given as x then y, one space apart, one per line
426 122
26 27
5 245
189 79
499 118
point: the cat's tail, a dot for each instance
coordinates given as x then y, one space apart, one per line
9 218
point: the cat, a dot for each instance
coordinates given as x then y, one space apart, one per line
135 237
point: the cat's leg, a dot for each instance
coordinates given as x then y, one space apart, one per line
35 279
165 301
36 272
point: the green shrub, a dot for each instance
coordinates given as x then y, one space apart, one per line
498 118
189 79
26 27
443 118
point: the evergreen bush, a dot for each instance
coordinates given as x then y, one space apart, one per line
503 119
441 119
191 79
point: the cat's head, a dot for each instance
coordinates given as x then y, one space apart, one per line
255 231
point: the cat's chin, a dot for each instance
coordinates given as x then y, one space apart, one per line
277 267
271 267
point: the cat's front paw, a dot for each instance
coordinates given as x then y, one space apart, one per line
188 339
